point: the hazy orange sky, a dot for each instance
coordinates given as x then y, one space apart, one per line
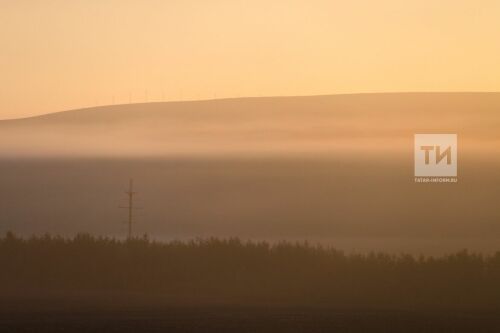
59 54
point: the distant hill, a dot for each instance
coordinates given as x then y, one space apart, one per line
334 169
366 122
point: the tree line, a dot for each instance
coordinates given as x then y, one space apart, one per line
245 272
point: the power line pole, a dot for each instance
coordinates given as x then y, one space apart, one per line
130 193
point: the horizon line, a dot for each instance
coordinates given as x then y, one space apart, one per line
250 97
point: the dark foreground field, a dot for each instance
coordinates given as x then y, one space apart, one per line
47 316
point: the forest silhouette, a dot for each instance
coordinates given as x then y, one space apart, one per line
231 270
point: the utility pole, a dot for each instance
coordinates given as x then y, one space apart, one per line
130 193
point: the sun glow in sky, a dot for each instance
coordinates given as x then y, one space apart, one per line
57 54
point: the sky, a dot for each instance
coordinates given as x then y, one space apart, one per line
58 55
